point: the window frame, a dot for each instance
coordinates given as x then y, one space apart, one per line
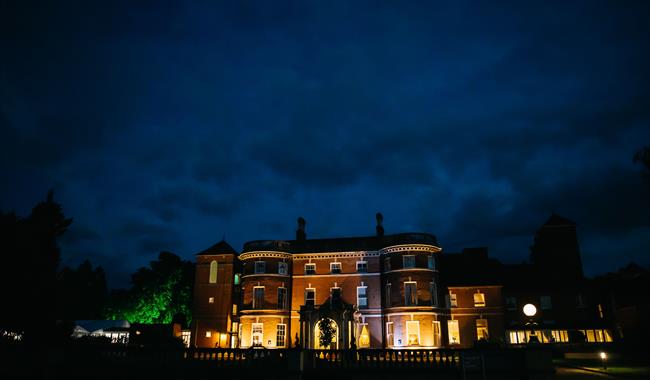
486 336
213 274
255 305
408 333
431 262
453 300
364 270
283 305
365 287
253 333
390 334
404 260
307 291
450 323
414 293
336 271
257 266
310 269
481 301
387 265
545 305
388 291
433 289
210 299
284 335
283 268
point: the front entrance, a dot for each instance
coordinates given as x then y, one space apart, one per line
334 345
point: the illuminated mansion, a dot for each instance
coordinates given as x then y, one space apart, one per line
387 291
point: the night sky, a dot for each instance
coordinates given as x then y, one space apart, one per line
166 128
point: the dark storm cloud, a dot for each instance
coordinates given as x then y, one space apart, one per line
165 127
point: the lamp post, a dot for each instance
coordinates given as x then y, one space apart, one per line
603 357
529 311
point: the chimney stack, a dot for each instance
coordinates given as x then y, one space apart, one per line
300 232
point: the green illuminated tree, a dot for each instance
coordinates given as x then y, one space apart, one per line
160 294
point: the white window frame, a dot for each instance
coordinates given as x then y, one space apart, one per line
415 293
284 303
404 261
332 291
258 266
363 262
255 306
260 333
283 268
338 264
450 330
390 334
281 327
211 300
310 267
365 287
408 332
307 290
387 264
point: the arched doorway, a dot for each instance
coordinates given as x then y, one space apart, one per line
335 341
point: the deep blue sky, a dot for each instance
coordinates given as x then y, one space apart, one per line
164 128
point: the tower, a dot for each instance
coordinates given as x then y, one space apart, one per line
556 250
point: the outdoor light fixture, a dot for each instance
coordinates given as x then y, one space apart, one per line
603 357
530 310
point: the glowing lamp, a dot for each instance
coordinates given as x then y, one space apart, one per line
603 357
530 310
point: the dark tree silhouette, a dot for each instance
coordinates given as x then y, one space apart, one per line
643 156
31 257
81 292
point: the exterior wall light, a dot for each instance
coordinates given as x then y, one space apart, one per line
530 310
603 357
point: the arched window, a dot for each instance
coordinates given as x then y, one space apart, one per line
213 272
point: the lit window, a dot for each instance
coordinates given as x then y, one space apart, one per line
364 336
258 297
545 303
237 278
362 296
410 293
600 311
408 261
213 272
260 267
234 309
511 303
431 262
387 264
208 334
282 298
454 331
479 299
281 336
433 289
437 334
482 329
413 333
453 300
310 296
335 267
310 268
283 268
362 266
257 334
389 334
211 300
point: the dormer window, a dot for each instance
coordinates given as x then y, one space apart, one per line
260 267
